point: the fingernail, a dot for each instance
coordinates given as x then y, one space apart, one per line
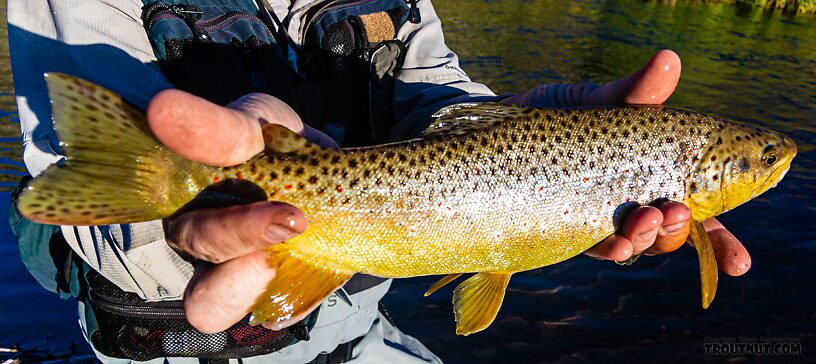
649 235
278 233
674 228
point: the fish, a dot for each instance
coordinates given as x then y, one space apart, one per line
487 189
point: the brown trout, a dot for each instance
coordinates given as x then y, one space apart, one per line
488 189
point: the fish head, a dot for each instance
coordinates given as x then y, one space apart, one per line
740 162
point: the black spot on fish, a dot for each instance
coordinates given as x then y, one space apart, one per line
299 172
313 179
744 165
286 170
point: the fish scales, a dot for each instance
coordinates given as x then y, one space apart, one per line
511 194
489 189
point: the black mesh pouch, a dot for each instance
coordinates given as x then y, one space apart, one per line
129 327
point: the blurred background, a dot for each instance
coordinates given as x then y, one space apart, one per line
740 62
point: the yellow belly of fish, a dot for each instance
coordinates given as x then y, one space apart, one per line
403 246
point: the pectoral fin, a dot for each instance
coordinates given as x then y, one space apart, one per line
441 283
299 286
477 300
708 263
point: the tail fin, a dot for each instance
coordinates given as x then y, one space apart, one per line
115 171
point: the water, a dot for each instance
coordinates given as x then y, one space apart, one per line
739 63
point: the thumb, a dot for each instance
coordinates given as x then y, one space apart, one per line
204 132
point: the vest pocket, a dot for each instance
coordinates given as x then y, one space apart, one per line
219 50
128 327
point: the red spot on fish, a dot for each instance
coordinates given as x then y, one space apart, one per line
586 179
609 203
566 212
594 220
216 179
387 210
439 204
626 171
541 189
239 175
287 187
628 199
339 188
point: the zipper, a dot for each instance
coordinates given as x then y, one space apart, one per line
136 311
190 14
225 20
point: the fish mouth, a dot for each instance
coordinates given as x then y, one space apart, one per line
780 177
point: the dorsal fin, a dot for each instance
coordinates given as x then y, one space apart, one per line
280 139
460 119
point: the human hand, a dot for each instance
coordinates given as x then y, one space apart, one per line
647 230
229 242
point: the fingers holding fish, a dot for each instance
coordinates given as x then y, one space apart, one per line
220 295
614 247
674 230
218 235
201 131
647 229
651 85
732 257
641 227
637 233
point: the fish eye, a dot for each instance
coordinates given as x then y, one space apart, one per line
770 156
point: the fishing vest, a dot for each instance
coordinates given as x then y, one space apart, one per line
339 79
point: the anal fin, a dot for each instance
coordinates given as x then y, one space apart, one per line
708 262
299 286
442 283
477 300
